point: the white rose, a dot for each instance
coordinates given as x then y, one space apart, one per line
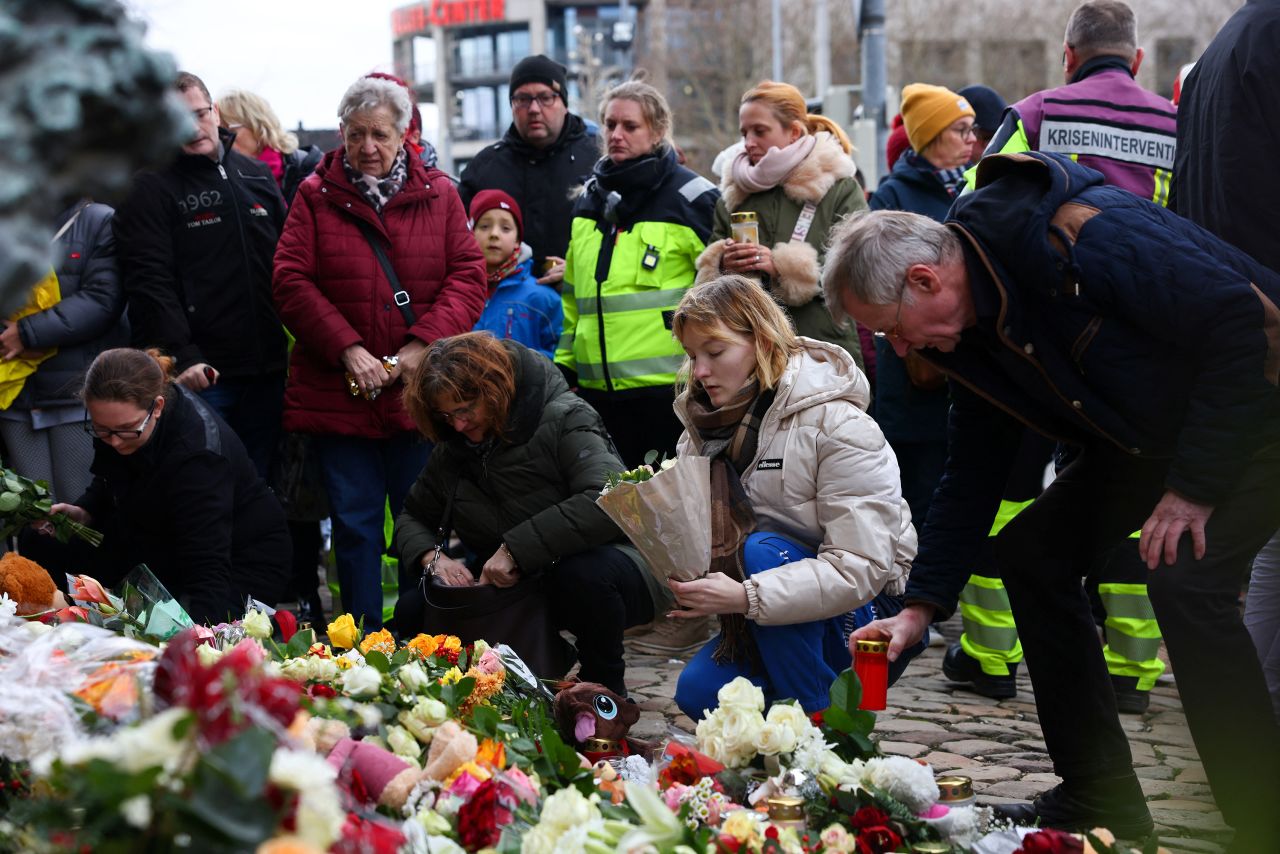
207 655
539 840
480 648
137 811
297 669
775 738
740 728
423 718
362 681
299 769
741 694
433 823
257 624
791 716
36 628
413 678
322 669
150 744
402 742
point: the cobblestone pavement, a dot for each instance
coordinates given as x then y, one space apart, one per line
996 743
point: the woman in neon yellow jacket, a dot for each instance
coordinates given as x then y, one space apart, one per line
638 228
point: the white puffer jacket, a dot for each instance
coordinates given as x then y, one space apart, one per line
825 477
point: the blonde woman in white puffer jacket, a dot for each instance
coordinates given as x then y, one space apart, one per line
808 521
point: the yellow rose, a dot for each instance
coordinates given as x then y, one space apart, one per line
343 632
451 676
453 642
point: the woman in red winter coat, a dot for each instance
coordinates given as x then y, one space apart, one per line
358 333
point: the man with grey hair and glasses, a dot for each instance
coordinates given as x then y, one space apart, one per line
1105 322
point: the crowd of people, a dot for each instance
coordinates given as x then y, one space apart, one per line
1031 377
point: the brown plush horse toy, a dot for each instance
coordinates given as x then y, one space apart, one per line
589 710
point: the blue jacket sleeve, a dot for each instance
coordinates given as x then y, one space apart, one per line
982 443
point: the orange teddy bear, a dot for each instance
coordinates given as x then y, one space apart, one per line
29 584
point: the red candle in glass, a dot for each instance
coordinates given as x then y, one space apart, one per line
871 664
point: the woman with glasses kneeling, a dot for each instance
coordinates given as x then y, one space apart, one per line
518 464
173 488
808 524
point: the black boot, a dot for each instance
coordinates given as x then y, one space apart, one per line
1116 804
1130 699
959 666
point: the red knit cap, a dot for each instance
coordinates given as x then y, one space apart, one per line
896 143
487 200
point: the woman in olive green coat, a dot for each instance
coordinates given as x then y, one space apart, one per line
796 174
524 460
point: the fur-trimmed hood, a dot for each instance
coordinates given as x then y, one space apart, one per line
808 182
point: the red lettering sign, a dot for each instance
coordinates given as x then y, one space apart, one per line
408 20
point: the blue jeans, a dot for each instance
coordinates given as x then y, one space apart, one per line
253 407
801 660
361 477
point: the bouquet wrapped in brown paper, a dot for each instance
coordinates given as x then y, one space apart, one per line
665 510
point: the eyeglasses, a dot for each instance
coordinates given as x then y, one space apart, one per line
965 131
523 101
104 434
202 113
462 413
894 333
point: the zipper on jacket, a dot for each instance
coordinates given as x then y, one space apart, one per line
248 265
603 262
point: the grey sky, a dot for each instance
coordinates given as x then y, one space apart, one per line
300 56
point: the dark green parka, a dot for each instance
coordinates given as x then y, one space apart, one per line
534 488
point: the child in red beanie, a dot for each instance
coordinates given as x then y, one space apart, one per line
518 307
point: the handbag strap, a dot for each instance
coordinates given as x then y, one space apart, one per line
442 536
399 294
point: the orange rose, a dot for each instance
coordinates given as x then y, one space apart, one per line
492 753
424 645
380 640
452 642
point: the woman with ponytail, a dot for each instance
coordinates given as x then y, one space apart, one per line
795 173
173 488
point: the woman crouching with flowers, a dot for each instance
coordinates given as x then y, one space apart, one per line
808 521
519 461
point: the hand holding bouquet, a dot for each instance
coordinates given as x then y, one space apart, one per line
24 501
666 513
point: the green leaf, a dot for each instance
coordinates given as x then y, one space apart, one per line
485 720
300 643
9 502
243 760
454 694
12 484
401 658
839 720
864 722
377 661
650 457
845 693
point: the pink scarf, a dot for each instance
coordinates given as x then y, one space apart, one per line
774 167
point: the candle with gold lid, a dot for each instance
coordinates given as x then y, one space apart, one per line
871 664
785 811
746 227
955 790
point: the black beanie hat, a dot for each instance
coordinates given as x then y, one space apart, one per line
988 106
539 69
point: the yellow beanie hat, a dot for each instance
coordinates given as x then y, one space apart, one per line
929 110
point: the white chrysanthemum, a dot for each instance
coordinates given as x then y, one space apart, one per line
812 752
8 607
137 811
362 681
904 780
741 694
567 808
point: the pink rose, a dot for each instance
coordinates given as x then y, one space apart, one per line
465 786
490 663
90 591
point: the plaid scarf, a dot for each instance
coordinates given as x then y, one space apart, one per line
730 436
952 180
378 191
506 269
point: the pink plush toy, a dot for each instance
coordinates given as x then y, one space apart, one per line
384 777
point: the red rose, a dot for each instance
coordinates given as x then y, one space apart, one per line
1050 841
869 817
320 691
481 818
877 840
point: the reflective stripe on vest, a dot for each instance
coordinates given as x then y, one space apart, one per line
633 369
1133 635
641 301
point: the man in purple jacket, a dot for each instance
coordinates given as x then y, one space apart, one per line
1101 118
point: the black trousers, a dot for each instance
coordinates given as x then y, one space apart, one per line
638 420
1097 501
596 595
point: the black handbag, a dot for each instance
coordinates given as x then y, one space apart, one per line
519 616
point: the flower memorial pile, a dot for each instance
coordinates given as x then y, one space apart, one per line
236 738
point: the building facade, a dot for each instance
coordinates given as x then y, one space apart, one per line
458 55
